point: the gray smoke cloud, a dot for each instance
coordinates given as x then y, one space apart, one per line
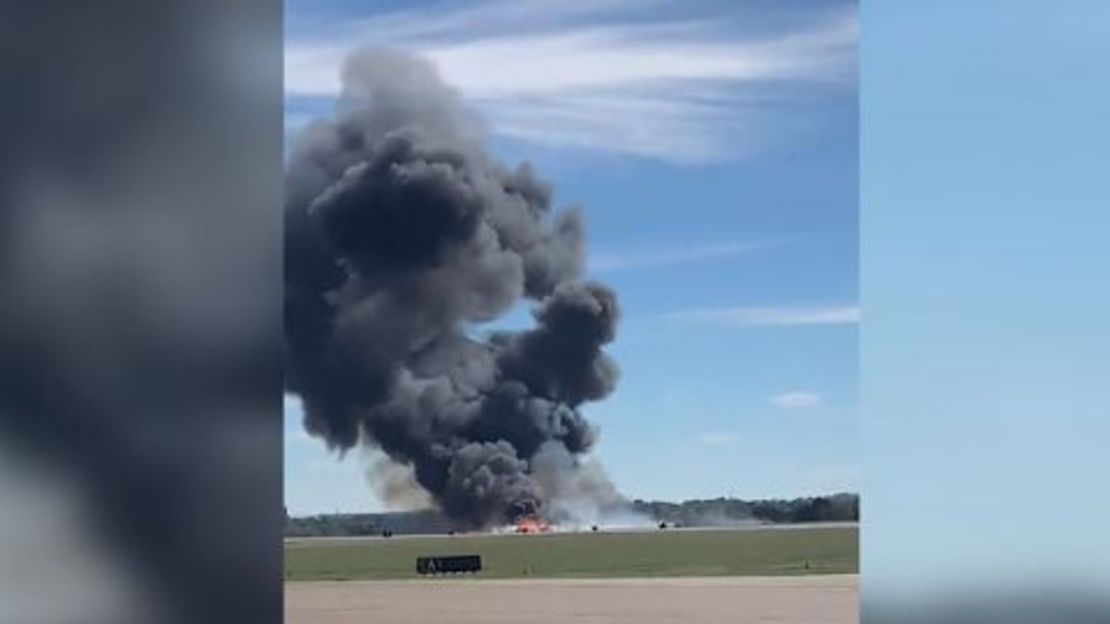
402 236
395 484
580 492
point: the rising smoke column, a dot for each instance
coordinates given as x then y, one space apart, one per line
401 234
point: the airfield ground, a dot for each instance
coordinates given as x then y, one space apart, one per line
800 575
824 599
670 553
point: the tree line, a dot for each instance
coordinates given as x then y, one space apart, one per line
843 507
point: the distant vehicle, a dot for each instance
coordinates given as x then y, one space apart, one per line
662 526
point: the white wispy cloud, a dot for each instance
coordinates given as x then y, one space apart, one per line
718 438
445 20
604 76
770 316
612 261
796 400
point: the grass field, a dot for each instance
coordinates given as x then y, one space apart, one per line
763 552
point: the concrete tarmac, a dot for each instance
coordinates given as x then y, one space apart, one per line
815 599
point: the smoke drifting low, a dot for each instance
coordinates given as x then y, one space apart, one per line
402 235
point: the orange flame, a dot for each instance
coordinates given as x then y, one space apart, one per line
531 525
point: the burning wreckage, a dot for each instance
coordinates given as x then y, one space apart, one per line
403 238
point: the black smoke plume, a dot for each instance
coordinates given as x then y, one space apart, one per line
402 237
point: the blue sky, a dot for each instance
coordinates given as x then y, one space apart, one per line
713 150
984 354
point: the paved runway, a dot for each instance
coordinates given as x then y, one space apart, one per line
818 599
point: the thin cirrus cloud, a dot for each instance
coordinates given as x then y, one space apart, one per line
611 262
769 316
796 400
608 77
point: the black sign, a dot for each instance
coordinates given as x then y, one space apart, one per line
449 564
